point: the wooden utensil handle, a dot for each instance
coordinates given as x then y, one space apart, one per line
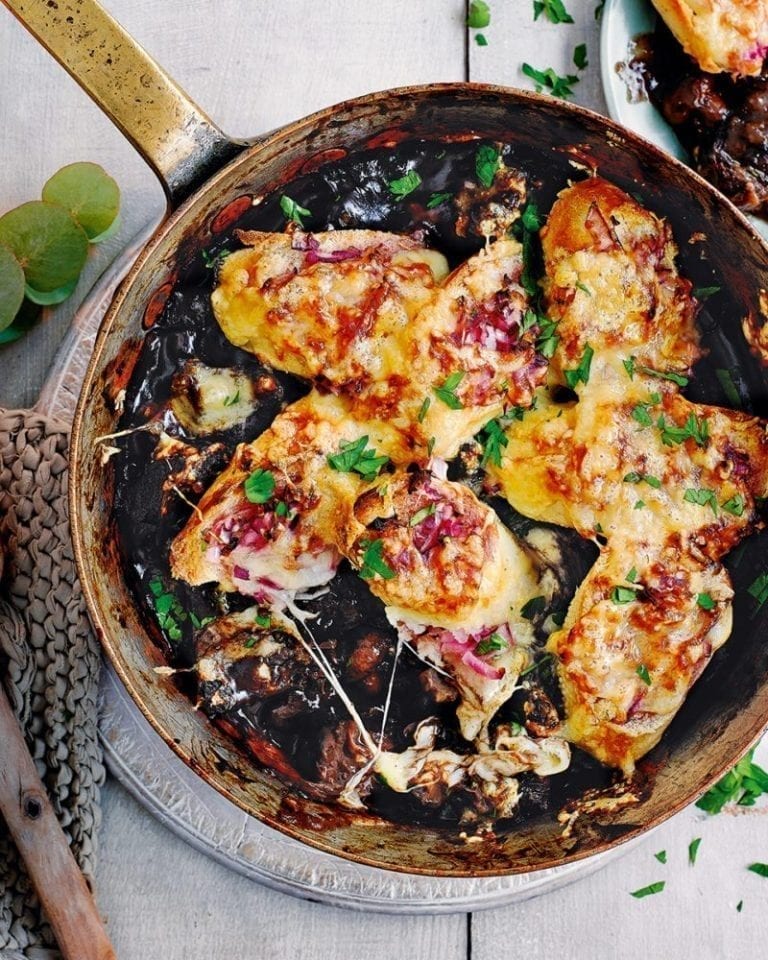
63 892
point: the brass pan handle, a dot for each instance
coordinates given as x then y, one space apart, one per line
170 131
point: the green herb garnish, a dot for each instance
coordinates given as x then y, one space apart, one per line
583 288
425 404
170 613
404 185
661 856
293 211
634 477
487 162
547 658
259 486
705 601
493 439
729 387
553 10
693 850
581 373
281 509
422 514
621 594
743 784
735 505
212 262
373 563
480 40
649 890
639 504
761 869
629 366
447 391
677 378
692 429
437 199
703 293
642 672
702 498
491 644
251 642
548 80
263 619
580 56
533 607
232 399
479 15
353 455
759 590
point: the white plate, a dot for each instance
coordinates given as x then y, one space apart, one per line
623 20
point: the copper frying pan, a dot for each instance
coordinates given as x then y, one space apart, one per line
209 179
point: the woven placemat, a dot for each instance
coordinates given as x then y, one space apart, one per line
49 661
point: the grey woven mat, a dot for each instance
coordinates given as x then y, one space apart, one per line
49 661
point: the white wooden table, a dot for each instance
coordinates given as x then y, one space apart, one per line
255 64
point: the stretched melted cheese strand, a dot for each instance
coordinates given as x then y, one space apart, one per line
454 581
671 484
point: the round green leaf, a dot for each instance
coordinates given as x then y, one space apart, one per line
11 287
26 318
88 192
50 246
51 297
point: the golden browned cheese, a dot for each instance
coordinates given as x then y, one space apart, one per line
721 35
671 485
333 305
263 549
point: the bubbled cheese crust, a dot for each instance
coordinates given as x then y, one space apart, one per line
728 36
329 305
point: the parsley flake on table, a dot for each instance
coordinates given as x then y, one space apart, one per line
479 15
553 10
580 56
581 373
761 869
742 785
693 850
259 486
548 80
661 856
402 186
447 391
293 211
481 40
353 456
649 890
373 563
487 162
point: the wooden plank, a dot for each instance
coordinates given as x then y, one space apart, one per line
252 66
161 898
514 38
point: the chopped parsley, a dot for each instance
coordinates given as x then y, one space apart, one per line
259 486
425 405
621 594
693 429
759 590
404 185
293 211
641 412
743 784
649 890
479 15
581 373
634 477
170 613
422 514
729 387
437 199
631 577
281 509
583 288
547 340
734 506
761 869
580 56
353 455
533 607
447 391
549 80
251 642
430 446
693 850
263 619
480 40
629 366
639 504
702 498
661 856
487 162
677 378
553 10
530 217
212 262
642 672
493 439
705 601
492 644
232 399
547 658
373 563
739 905
703 293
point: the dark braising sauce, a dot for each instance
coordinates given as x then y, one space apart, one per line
303 728
722 121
